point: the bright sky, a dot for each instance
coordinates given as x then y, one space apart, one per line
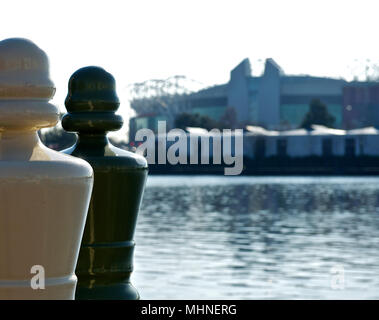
204 40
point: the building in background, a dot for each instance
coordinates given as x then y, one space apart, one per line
274 100
361 105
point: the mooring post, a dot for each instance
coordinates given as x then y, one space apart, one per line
44 194
106 255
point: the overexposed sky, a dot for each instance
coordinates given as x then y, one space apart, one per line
148 39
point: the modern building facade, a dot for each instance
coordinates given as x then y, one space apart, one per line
320 141
274 100
361 105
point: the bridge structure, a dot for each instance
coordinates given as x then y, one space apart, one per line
165 97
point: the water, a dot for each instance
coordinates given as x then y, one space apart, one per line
258 238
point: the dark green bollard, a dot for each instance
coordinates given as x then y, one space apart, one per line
106 254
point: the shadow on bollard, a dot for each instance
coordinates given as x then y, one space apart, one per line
44 195
106 255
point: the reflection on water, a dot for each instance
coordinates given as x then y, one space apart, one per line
258 238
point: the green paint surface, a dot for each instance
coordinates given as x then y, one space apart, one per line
106 256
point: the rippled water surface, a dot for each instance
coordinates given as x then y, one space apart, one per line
258 238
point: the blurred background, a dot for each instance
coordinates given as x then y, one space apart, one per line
301 79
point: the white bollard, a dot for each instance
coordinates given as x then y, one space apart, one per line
44 194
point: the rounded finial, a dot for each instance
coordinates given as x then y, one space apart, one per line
91 102
25 86
91 89
24 70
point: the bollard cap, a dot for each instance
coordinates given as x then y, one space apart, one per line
91 102
92 89
24 70
25 86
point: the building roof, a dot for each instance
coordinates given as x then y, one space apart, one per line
364 131
259 131
196 131
210 92
316 130
323 130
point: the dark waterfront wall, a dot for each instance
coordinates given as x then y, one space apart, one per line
340 166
